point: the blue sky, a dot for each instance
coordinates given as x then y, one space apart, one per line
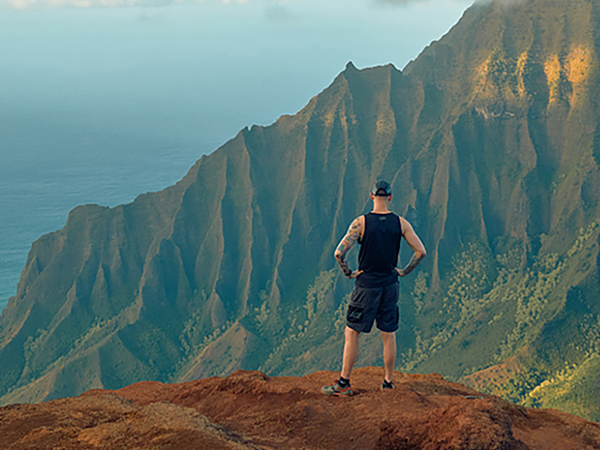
205 69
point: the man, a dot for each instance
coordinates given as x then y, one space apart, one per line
375 295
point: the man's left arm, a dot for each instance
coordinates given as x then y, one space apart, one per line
415 244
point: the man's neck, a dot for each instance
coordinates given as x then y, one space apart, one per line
380 208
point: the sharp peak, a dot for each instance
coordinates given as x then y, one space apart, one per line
351 67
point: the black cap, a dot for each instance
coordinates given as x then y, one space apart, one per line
381 189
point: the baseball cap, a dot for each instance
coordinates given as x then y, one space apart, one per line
381 189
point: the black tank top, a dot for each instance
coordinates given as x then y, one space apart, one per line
379 248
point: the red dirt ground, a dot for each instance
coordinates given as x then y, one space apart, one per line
248 410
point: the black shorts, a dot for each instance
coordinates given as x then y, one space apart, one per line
370 304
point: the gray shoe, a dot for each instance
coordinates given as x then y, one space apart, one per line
337 390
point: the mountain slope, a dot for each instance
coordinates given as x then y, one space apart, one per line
490 142
249 410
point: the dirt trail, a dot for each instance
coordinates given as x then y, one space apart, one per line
248 410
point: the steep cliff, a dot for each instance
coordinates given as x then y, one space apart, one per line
490 140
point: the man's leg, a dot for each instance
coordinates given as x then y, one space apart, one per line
350 351
389 353
342 386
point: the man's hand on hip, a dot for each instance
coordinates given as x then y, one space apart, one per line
400 272
355 274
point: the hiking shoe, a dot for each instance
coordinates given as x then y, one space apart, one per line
337 390
387 385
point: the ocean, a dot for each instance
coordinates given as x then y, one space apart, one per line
38 189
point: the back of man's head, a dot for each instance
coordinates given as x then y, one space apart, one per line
381 188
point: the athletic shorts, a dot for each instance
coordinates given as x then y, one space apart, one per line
370 304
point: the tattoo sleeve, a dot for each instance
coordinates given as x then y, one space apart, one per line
413 263
346 244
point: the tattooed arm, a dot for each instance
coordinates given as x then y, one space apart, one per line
354 233
415 244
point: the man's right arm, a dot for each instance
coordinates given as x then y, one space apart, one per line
348 241
415 244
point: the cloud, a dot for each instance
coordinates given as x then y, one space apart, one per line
279 12
410 2
276 10
397 2
47 4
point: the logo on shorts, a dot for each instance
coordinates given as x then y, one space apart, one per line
354 314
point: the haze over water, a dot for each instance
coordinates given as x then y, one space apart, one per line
101 104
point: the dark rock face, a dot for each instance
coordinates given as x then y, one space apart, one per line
490 142
249 410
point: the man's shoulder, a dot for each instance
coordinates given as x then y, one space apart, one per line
359 222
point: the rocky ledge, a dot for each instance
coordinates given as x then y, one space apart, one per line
249 410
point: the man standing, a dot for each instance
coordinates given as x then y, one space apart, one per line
375 295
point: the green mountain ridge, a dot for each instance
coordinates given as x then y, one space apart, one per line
490 140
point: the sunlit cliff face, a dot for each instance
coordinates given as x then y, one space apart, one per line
566 76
